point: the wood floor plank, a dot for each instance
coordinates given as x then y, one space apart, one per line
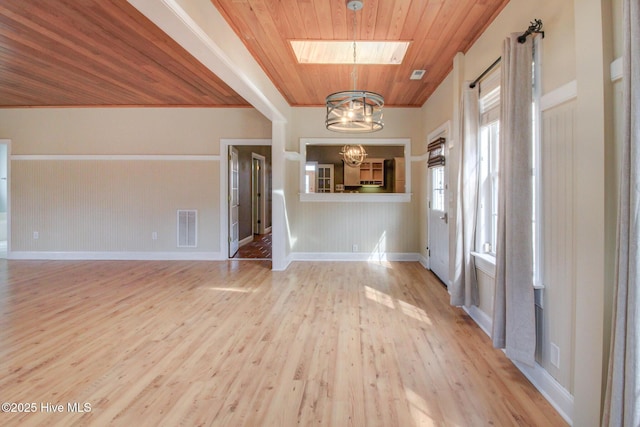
236 344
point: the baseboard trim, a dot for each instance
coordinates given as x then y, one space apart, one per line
482 319
354 256
209 256
116 157
119 256
282 266
246 240
424 261
555 394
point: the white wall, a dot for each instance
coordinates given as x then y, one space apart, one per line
558 56
102 204
437 111
95 202
193 131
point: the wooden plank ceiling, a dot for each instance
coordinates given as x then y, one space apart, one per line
105 53
437 30
97 53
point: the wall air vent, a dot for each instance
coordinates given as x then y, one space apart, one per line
187 228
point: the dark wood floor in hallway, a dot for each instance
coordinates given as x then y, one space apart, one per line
258 248
235 344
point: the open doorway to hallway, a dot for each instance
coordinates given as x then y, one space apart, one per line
253 202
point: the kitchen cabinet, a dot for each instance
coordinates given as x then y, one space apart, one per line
372 172
399 175
351 176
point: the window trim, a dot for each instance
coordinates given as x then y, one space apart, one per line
538 267
485 262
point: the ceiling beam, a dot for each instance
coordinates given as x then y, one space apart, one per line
200 29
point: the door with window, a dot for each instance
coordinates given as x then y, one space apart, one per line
438 224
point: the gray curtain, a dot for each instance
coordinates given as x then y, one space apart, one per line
464 287
622 401
514 316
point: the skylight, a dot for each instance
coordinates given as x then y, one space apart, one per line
341 52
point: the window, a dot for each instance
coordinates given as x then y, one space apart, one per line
488 150
437 179
536 178
310 177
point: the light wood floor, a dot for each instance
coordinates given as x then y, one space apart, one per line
233 344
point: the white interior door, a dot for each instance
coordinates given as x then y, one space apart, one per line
438 224
258 192
4 197
234 202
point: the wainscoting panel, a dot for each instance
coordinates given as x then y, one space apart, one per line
374 228
112 205
558 152
486 289
371 228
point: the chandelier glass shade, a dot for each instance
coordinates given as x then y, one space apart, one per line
354 111
353 155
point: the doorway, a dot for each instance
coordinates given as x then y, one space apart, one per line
249 200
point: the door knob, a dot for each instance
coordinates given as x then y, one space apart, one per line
444 217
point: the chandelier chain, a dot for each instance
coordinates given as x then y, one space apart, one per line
354 73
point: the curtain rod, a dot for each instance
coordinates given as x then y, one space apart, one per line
535 26
484 73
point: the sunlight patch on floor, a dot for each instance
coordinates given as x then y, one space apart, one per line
415 312
379 297
419 409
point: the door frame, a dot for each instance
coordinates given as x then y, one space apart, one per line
7 142
233 204
258 192
224 187
444 130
